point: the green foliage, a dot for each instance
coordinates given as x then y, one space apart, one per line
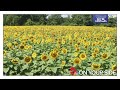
54 19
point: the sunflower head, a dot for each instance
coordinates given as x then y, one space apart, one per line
104 56
95 66
4 52
34 54
23 42
93 44
9 45
64 51
28 59
22 46
15 35
54 54
30 46
114 67
94 55
63 63
63 41
70 42
77 61
44 57
85 46
75 54
96 50
26 47
55 50
15 43
14 61
77 49
76 45
83 56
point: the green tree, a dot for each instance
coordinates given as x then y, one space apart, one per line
77 19
112 22
55 19
67 20
87 20
8 19
29 22
24 18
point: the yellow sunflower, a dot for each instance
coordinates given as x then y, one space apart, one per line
15 43
114 67
104 56
64 51
34 54
9 45
77 61
93 44
30 46
44 57
63 63
4 52
76 45
15 35
85 46
55 49
22 46
14 61
96 50
95 66
53 54
28 59
63 41
75 54
94 55
83 56
77 49
23 43
26 47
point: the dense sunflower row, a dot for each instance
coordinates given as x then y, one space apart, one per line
52 50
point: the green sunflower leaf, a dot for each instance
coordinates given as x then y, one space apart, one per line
54 69
29 74
6 70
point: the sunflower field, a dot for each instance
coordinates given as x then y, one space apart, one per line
53 50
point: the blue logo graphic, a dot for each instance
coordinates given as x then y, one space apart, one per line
100 18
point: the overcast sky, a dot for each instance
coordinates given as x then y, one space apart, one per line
110 15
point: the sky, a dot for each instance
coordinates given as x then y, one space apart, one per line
110 15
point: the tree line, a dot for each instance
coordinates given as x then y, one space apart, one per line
54 19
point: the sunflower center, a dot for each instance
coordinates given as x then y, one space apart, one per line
44 57
64 51
78 49
63 63
76 61
104 55
85 46
94 55
114 68
27 59
15 61
21 47
96 66
96 50
54 54
78 43
83 56
93 44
